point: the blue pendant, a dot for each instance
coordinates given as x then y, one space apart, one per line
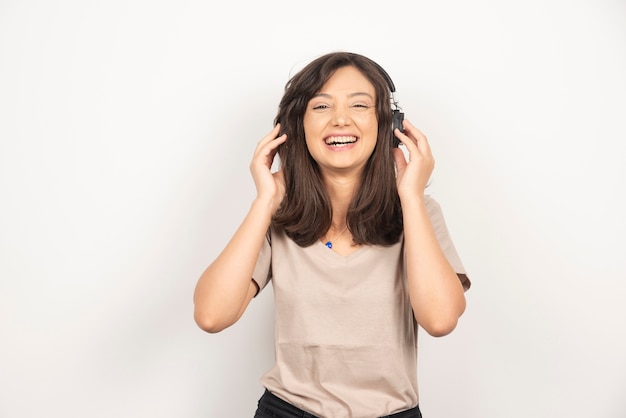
329 244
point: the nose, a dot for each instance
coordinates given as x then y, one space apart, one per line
341 117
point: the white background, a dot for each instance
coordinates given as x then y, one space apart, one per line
126 131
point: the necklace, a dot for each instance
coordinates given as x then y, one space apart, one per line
329 243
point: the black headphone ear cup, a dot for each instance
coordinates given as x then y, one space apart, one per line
396 118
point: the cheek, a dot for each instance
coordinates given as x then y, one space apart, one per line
310 126
366 119
370 124
311 145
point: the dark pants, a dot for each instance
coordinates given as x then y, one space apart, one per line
271 406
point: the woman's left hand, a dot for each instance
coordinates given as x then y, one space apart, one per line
413 175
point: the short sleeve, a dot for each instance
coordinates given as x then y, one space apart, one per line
263 268
445 241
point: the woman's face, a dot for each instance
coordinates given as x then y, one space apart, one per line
340 123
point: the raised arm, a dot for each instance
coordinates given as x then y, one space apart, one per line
225 288
436 293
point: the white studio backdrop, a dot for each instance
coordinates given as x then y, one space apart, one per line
126 130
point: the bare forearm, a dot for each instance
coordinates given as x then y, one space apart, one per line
436 293
223 290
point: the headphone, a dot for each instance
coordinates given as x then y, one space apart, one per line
397 116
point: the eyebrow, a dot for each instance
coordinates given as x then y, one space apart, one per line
356 94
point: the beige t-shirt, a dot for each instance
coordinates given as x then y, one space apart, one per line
345 336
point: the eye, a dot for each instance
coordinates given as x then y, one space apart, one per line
361 106
320 107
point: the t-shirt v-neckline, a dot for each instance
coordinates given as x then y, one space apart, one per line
332 254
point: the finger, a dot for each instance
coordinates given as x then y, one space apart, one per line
400 159
272 135
275 131
420 138
266 154
407 140
402 136
269 144
273 145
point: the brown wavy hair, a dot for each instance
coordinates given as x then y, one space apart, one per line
374 216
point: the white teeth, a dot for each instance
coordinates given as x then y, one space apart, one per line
340 140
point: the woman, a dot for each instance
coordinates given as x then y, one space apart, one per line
357 254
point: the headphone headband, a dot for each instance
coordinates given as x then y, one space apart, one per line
396 111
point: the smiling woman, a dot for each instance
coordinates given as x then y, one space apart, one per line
357 254
340 124
339 95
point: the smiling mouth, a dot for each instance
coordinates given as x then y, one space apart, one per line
339 141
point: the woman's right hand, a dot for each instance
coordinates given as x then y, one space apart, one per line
270 186
226 287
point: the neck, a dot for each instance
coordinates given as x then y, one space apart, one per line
340 191
340 182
